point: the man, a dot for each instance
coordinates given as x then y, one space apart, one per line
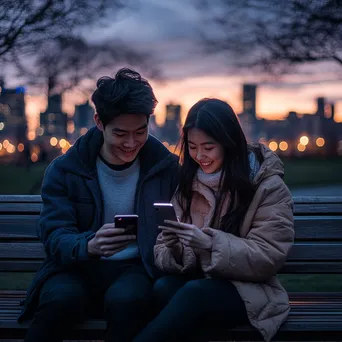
91 266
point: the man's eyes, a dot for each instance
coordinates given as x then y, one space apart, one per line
123 134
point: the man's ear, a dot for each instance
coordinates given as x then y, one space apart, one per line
98 122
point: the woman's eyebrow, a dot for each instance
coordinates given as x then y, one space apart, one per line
204 143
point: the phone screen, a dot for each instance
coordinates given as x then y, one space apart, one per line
127 222
164 211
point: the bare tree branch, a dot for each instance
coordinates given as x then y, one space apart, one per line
63 64
270 33
26 24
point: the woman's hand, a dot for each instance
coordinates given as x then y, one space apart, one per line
188 234
169 239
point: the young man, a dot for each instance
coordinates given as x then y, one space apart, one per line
91 266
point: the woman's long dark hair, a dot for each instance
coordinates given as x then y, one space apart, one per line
218 120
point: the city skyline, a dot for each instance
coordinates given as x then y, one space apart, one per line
271 103
190 98
294 135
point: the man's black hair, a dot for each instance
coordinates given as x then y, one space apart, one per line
126 93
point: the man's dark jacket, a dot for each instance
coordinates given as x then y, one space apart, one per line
72 206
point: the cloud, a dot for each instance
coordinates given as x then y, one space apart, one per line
299 84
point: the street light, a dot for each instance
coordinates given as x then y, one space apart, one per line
53 141
62 143
21 147
301 147
304 140
273 146
283 146
320 142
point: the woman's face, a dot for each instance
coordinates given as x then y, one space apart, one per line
205 151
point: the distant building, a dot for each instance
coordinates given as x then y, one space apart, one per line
13 123
171 130
53 122
154 129
83 119
249 99
248 118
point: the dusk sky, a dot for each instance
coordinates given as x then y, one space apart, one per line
169 30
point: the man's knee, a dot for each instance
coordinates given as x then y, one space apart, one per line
126 296
64 299
64 295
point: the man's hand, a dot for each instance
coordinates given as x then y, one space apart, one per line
109 240
189 234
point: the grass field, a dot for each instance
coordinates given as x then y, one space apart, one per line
20 180
298 172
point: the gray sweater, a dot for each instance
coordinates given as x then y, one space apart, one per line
118 193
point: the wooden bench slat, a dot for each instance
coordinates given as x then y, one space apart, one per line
315 205
307 296
300 209
18 237
20 265
21 208
322 323
29 250
301 251
311 267
290 267
19 224
318 209
306 227
309 228
316 251
20 198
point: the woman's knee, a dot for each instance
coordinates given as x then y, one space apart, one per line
164 288
194 287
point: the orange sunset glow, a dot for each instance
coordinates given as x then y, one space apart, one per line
272 103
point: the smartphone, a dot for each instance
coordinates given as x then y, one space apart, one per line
164 211
127 222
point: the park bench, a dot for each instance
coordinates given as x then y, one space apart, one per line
317 250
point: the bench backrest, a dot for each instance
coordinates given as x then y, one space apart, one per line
317 249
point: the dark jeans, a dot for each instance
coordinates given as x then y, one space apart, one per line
187 305
121 291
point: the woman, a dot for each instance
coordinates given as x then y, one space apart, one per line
234 234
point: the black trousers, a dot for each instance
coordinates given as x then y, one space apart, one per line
186 306
121 291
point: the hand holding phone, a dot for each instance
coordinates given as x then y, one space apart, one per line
109 240
127 222
166 211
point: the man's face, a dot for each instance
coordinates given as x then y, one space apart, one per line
123 137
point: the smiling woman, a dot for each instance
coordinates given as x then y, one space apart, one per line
205 151
235 231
